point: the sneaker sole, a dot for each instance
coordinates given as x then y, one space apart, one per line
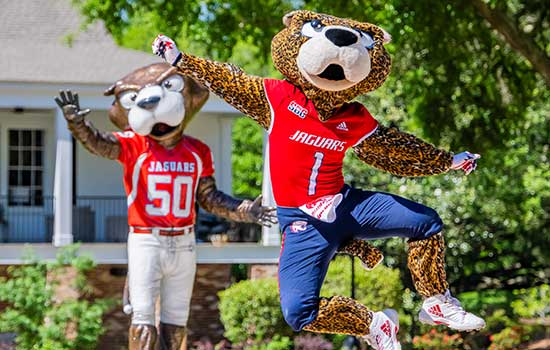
426 319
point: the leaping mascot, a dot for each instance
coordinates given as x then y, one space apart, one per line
165 172
311 120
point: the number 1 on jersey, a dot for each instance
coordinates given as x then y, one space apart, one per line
314 172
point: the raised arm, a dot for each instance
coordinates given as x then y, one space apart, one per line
402 154
102 144
244 92
222 204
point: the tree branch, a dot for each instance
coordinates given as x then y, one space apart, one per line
518 40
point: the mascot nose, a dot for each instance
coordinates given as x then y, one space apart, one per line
341 37
149 102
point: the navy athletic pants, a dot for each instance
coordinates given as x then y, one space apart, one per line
309 244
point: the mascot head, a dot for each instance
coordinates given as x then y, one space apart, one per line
156 101
332 60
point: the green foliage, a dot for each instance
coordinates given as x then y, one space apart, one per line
40 322
377 289
533 302
250 310
247 159
508 339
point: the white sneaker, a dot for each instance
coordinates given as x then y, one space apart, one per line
383 330
444 309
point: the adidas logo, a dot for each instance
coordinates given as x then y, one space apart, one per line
342 126
386 328
436 310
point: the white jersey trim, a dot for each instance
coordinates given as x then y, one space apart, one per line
135 178
366 136
271 111
199 168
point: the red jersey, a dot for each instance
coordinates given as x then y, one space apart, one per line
161 184
305 154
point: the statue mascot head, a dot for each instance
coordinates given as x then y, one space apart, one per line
156 101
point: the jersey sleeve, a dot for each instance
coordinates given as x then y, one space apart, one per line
368 124
131 145
277 92
205 155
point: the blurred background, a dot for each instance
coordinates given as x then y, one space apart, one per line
467 75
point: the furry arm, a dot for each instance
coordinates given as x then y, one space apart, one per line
102 144
221 204
244 92
402 154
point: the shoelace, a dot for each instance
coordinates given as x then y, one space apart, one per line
456 306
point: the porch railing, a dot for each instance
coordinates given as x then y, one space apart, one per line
99 219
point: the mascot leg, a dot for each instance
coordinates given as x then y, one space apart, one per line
342 315
142 337
171 336
369 255
426 261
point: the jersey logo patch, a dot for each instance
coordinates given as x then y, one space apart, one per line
295 108
342 126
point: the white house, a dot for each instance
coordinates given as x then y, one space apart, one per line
51 189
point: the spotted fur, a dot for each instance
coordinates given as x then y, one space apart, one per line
341 315
369 255
426 262
402 154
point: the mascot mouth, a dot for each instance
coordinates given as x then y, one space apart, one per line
333 72
161 129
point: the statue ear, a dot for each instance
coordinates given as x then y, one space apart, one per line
288 17
198 95
195 96
110 91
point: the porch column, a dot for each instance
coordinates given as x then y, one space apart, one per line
270 235
63 183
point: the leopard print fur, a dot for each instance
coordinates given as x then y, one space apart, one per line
369 255
341 315
426 262
402 154
244 92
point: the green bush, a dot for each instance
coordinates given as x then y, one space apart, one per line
377 289
42 323
250 310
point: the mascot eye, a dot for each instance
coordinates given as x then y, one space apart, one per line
127 99
367 40
173 83
313 28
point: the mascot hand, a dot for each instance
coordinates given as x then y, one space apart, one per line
255 212
69 104
166 48
465 161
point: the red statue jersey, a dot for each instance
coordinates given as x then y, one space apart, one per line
161 183
305 154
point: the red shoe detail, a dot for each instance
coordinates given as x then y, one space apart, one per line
386 328
436 310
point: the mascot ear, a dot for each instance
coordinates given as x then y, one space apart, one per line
288 17
194 96
198 95
110 91
387 37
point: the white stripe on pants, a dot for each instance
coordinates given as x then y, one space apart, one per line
162 265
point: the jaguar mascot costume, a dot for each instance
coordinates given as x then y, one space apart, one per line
165 173
312 120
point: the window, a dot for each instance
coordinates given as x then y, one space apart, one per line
26 167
